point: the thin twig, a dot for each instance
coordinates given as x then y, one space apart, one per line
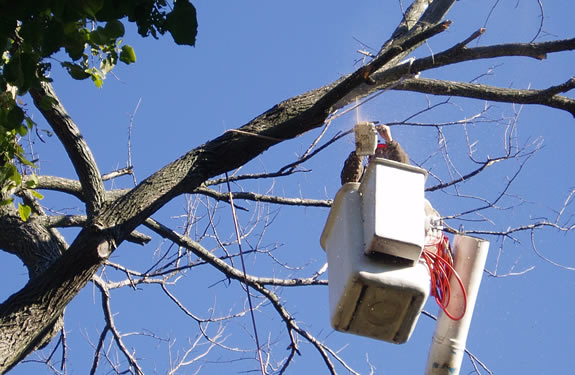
253 318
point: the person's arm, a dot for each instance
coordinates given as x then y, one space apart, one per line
393 151
352 168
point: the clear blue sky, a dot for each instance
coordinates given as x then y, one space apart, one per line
250 56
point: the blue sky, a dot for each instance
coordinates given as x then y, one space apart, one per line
250 56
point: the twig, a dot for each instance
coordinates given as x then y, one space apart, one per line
110 324
252 315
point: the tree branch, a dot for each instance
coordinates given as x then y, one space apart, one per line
68 221
110 325
84 163
264 198
460 53
253 282
547 97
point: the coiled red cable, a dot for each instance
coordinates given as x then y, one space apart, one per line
440 265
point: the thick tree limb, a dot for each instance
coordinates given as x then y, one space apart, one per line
547 97
460 53
388 77
411 17
31 242
84 163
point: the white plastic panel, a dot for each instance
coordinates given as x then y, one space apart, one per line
393 209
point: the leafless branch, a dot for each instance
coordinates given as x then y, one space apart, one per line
112 327
534 247
98 350
75 145
264 198
547 97
250 280
67 221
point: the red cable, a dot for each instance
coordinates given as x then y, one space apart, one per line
440 264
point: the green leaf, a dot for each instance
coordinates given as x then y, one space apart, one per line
106 65
13 174
76 39
22 71
127 55
99 36
29 122
22 130
6 202
91 7
15 117
32 181
97 78
53 38
25 161
36 194
114 29
182 23
24 211
13 71
76 71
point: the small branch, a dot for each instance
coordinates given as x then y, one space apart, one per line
68 221
111 325
471 38
264 198
456 55
253 282
98 349
474 359
64 185
72 187
469 175
118 173
544 257
363 74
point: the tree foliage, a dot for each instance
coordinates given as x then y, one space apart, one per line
32 33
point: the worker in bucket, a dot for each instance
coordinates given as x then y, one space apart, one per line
392 150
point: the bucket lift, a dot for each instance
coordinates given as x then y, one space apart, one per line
378 282
373 237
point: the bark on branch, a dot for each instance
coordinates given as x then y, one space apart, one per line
264 198
547 97
80 154
461 53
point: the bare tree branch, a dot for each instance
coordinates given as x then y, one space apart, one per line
255 283
112 327
547 97
69 221
264 198
84 163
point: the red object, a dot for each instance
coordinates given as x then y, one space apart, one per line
440 264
